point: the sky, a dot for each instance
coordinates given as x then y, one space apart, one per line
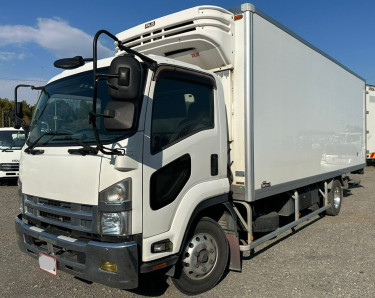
34 33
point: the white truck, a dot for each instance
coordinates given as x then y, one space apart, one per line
11 142
370 123
206 135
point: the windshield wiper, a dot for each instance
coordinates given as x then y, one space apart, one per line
30 148
86 149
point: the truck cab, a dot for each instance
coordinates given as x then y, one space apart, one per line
163 158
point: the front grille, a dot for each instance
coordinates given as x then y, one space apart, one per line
55 217
7 167
63 214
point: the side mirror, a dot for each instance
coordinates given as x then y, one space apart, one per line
17 116
119 115
19 110
70 63
125 78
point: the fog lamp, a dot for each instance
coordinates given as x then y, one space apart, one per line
165 245
108 266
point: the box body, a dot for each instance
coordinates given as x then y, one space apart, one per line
304 112
370 122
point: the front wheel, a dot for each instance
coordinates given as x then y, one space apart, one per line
204 259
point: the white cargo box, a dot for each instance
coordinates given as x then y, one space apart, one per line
301 105
370 122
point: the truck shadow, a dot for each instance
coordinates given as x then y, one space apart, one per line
347 193
156 284
152 285
8 182
294 231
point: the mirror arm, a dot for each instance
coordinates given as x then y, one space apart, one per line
105 77
107 114
16 89
110 85
100 147
24 85
15 114
151 64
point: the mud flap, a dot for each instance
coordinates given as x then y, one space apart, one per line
235 254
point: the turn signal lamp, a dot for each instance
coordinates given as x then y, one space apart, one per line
158 266
108 266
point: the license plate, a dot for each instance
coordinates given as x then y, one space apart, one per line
48 263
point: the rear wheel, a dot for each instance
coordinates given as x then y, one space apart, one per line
335 196
204 259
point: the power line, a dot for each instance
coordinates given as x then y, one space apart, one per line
23 80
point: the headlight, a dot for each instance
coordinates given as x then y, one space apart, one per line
20 195
115 209
115 223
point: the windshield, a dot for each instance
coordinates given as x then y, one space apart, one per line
64 107
12 139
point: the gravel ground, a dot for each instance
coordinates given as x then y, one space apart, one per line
324 257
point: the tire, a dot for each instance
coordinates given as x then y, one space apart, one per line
203 260
335 196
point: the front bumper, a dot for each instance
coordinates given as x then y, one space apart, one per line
82 258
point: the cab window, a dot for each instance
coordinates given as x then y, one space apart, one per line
182 106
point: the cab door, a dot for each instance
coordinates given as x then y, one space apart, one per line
181 145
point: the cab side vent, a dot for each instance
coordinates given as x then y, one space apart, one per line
160 34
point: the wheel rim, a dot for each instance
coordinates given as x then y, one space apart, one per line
337 197
200 256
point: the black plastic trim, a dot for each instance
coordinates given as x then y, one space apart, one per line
283 187
147 267
124 206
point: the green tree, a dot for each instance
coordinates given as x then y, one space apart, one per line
6 109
